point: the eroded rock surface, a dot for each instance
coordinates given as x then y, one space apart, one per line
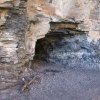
29 20
23 22
86 13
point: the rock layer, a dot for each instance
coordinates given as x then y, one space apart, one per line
86 13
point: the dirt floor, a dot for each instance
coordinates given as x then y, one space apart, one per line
55 82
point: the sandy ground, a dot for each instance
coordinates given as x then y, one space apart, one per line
57 82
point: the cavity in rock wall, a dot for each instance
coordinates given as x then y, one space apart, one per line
69 48
23 22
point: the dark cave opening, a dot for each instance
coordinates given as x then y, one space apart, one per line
53 41
68 47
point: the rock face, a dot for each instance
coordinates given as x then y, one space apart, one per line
23 22
86 13
28 20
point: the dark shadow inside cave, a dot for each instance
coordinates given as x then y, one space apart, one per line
68 47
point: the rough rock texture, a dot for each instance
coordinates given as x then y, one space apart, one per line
86 13
23 22
29 20
13 27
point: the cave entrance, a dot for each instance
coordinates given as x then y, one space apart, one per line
54 40
58 45
68 46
